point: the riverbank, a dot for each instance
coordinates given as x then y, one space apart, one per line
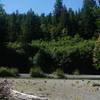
59 89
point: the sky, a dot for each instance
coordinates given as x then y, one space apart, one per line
38 6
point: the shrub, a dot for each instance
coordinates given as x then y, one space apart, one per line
36 72
76 72
96 54
14 72
79 57
66 53
59 73
44 60
7 72
85 60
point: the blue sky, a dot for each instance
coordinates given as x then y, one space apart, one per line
38 6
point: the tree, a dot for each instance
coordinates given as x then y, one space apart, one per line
72 23
60 20
30 27
46 25
2 26
97 15
57 10
96 54
64 20
14 29
87 22
44 60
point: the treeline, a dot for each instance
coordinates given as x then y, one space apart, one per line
61 22
62 39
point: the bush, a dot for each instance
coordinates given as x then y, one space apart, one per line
59 73
7 72
66 53
14 72
96 54
76 72
36 72
44 60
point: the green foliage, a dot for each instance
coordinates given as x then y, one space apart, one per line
98 25
13 26
76 72
59 73
43 59
30 27
8 72
52 41
36 72
96 57
87 20
58 9
66 53
14 45
3 30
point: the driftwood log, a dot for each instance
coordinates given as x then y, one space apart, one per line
23 96
7 93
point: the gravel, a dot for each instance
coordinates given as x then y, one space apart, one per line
58 89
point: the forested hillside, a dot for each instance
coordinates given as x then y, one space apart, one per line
64 39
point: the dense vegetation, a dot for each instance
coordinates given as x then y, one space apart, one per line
8 72
64 39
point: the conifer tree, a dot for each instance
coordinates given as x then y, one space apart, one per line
88 19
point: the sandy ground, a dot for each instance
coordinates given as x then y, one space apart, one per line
56 89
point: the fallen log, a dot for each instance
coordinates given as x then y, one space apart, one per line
7 93
24 96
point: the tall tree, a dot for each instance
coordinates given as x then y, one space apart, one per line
88 19
97 15
57 10
60 19
72 22
30 27
64 20
2 26
14 26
